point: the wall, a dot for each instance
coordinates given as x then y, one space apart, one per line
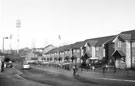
68 53
133 54
77 53
99 52
62 55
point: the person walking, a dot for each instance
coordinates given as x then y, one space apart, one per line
2 66
74 70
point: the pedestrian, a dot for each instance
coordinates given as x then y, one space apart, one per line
114 69
103 69
74 70
2 66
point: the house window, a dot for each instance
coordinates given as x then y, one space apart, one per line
103 52
123 59
119 44
133 44
78 51
88 48
134 60
97 48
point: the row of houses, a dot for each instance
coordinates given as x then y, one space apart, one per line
118 49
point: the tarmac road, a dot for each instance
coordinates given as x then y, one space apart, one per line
37 76
10 78
56 78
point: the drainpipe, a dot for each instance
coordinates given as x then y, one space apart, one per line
81 53
131 53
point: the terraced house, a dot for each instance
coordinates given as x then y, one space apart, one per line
118 50
95 48
121 49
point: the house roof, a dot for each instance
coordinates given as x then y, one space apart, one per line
128 35
52 51
99 41
62 48
78 45
111 39
118 52
75 45
125 35
68 47
48 46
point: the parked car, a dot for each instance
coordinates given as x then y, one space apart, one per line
45 62
26 65
95 63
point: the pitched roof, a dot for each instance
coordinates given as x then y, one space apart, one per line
52 51
68 47
128 35
62 48
118 52
111 39
99 41
125 35
48 46
75 45
78 44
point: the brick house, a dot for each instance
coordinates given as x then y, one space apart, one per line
68 52
121 49
95 48
53 54
118 50
77 50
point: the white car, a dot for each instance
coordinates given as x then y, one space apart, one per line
26 66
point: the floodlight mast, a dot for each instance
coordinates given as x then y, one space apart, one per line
18 25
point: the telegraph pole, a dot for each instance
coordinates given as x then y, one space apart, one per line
18 25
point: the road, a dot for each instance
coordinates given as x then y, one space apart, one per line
40 77
10 77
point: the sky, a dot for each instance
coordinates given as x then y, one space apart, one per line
42 21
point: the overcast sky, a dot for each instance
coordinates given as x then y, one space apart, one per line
75 20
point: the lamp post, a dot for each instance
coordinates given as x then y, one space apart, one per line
3 42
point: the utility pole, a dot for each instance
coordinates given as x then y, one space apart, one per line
18 25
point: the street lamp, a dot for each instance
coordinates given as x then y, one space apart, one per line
3 42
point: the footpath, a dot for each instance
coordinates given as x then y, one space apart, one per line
119 75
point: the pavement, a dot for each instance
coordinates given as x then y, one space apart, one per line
119 75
